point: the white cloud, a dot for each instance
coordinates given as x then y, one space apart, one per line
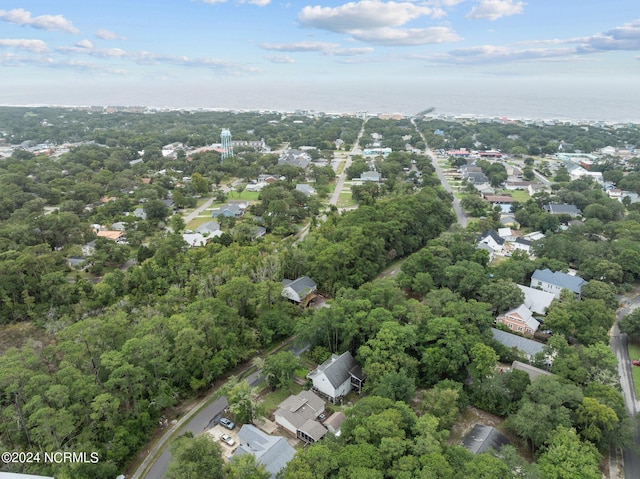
494 9
19 16
84 44
374 21
280 59
36 46
326 48
364 15
626 37
484 54
407 36
108 35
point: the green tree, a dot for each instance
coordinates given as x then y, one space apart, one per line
195 457
177 224
199 184
567 457
243 400
483 361
630 324
245 467
278 369
155 210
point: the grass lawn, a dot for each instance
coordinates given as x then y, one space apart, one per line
520 195
345 200
272 399
341 167
245 195
634 353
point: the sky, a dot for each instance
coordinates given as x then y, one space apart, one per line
384 56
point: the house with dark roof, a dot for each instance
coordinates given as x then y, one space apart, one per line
492 240
274 452
522 244
557 209
555 282
298 414
527 347
520 320
299 289
337 376
482 438
297 158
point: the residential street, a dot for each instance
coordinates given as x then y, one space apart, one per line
202 416
619 348
462 218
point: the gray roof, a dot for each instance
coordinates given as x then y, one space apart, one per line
302 286
335 420
523 241
272 451
558 209
305 404
306 189
563 280
532 371
482 438
370 176
208 227
527 346
338 369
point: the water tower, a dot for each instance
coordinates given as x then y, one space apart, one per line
225 138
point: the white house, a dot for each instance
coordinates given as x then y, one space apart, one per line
555 282
194 239
492 240
337 376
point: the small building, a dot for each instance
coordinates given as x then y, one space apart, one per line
527 347
506 234
308 190
536 300
229 210
194 239
140 214
274 452
555 282
483 438
337 376
370 176
334 422
299 289
110 234
558 209
298 414
208 228
492 240
520 320
522 244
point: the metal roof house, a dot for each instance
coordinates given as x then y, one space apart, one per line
557 209
297 290
536 300
482 438
555 282
527 347
272 451
337 376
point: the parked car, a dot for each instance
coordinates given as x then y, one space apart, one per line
228 440
636 362
228 423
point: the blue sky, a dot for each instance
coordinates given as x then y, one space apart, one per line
230 53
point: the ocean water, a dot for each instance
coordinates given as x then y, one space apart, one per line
612 101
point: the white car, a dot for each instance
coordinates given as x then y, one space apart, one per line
228 440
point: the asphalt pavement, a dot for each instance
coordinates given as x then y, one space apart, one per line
618 343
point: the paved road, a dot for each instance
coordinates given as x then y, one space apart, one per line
343 176
195 213
619 347
542 179
197 420
462 218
